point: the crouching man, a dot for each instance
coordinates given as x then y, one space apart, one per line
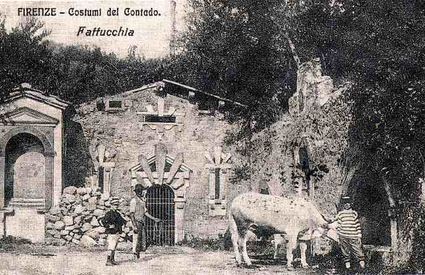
138 211
113 221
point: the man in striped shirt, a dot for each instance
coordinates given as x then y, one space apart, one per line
349 233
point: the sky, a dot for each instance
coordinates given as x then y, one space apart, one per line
152 34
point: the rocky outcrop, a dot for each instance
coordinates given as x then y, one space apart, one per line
314 89
304 152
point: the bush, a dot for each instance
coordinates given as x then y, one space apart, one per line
209 244
10 242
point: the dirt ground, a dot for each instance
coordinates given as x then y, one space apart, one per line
157 260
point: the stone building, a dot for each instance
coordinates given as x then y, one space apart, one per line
165 136
31 146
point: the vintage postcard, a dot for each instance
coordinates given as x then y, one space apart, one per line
212 137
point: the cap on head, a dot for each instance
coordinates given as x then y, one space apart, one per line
138 188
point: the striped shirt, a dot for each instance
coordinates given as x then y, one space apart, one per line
348 224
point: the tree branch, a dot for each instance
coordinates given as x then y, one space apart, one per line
388 191
423 162
293 50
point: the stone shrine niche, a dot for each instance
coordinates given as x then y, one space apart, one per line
29 176
302 166
31 148
25 169
218 168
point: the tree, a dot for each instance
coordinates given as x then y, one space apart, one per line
24 55
75 73
379 46
230 49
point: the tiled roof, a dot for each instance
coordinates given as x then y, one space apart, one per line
25 90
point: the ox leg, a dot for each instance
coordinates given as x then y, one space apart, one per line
291 245
276 248
303 248
235 239
278 241
244 251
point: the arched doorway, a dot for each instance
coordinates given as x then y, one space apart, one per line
25 169
160 204
370 201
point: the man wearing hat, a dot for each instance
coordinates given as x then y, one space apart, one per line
113 222
138 211
349 233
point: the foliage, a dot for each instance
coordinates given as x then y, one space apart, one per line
208 244
89 73
230 49
378 45
24 55
75 73
10 243
239 50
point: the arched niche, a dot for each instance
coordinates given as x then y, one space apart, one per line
27 169
371 202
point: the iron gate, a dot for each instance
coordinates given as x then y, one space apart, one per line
160 204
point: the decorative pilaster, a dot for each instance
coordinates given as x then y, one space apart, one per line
2 178
102 161
218 167
50 201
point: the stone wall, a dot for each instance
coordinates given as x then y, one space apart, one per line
76 219
116 137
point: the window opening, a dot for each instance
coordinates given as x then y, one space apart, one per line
217 183
101 174
116 104
160 119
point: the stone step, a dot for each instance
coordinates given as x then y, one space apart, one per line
27 203
27 200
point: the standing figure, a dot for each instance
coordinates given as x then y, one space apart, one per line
349 233
113 222
138 211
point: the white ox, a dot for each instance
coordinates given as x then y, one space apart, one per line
257 212
279 240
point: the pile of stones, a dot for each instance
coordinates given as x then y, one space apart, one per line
76 219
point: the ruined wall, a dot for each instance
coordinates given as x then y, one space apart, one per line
76 219
125 134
